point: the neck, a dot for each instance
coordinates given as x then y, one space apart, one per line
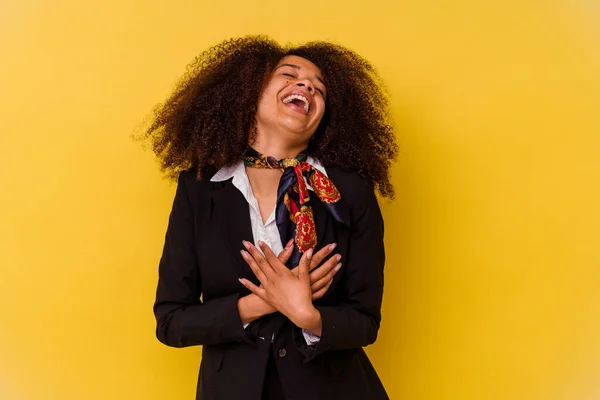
264 181
277 147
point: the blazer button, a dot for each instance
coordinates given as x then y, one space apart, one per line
282 353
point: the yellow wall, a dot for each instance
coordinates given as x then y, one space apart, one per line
493 280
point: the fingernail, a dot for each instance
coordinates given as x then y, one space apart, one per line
289 244
337 267
241 281
309 253
338 257
243 253
332 246
246 244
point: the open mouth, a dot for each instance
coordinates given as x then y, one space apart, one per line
299 101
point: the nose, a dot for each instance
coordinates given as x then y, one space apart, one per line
307 84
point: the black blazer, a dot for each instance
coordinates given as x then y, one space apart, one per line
201 258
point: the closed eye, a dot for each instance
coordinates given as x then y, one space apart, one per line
293 76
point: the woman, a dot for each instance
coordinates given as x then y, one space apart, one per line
275 146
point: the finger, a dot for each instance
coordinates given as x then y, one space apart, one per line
320 255
321 292
316 260
259 259
260 292
304 265
326 268
317 295
272 259
258 272
327 279
285 254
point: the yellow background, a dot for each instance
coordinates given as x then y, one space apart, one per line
493 273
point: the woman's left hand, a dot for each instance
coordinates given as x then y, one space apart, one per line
289 294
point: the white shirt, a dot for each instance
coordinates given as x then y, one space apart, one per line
267 232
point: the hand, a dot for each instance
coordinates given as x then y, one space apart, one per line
252 307
322 278
289 292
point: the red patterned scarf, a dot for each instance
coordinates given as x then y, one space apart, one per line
294 215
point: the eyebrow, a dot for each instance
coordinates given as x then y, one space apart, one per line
298 67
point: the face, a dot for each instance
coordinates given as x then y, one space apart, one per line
293 102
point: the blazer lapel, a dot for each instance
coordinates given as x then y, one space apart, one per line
232 211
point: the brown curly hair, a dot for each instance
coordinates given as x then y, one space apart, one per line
210 117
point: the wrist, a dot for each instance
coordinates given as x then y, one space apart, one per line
261 306
252 307
309 320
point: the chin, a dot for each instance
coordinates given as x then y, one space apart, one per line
297 128
298 137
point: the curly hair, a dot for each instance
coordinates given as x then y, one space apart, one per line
209 119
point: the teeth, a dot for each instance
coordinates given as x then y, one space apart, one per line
298 97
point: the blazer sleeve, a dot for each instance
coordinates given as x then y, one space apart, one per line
354 322
181 317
